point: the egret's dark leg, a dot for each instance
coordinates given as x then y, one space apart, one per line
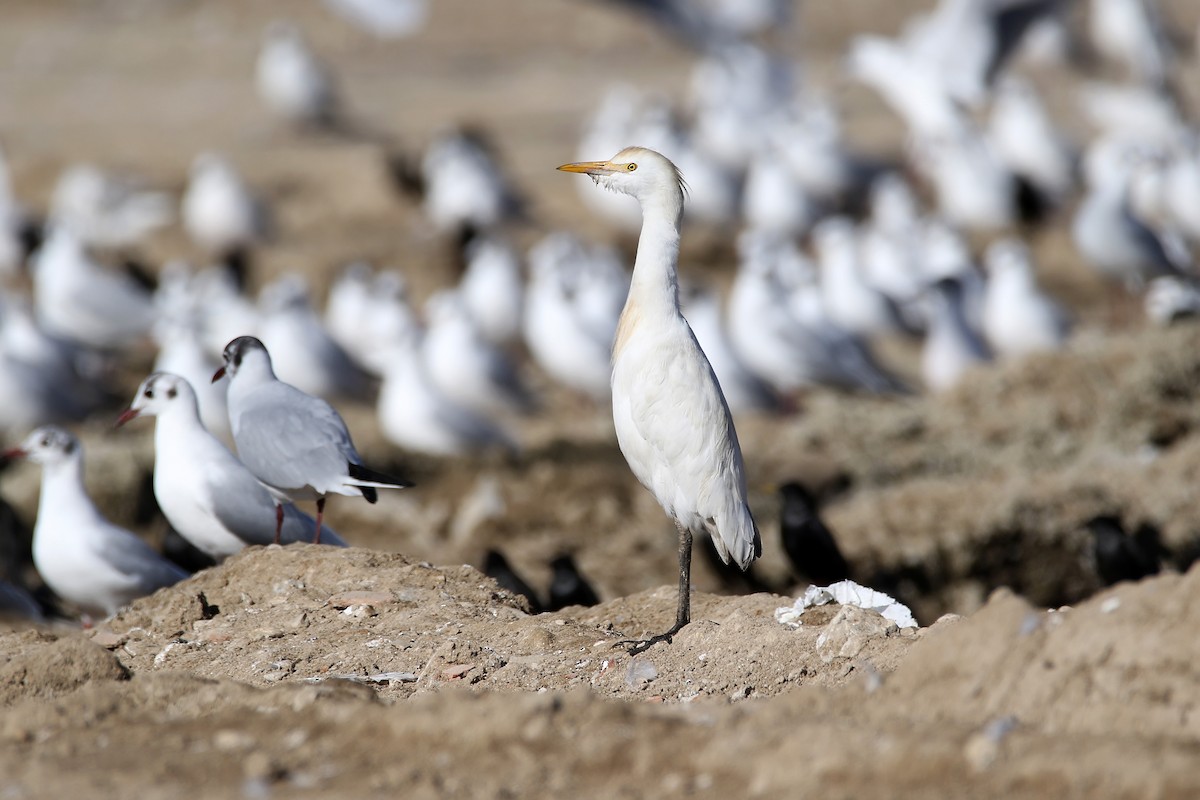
278 521
320 516
683 609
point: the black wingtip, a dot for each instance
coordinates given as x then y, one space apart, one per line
359 472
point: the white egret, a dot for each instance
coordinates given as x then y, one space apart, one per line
673 424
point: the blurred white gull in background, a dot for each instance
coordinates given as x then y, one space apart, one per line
947 255
415 415
493 289
77 299
1129 32
293 83
1024 137
732 90
302 351
465 188
385 19
465 366
1170 299
1145 115
974 188
787 350
220 213
744 391
808 137
40 380
891 248
572 304
773 199
911 88
952 345
849 301
225 312
1018 318
368 311
108 210
967 42
1107 232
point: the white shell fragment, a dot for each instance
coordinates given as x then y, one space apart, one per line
847 593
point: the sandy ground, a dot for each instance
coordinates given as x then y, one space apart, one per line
394 670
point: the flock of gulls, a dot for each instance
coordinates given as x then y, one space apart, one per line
835 251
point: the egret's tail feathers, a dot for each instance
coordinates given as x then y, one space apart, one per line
738 540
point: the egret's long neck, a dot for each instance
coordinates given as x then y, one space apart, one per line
655 274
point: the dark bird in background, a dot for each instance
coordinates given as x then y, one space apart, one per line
809 544
1121 557
496 567
569 587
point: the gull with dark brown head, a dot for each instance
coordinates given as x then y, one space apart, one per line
296 445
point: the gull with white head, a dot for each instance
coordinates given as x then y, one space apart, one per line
672 421
79 300
207 495
220 213
292 81
83 557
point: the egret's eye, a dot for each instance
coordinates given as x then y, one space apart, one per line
45 441
631 167
149 392
171 393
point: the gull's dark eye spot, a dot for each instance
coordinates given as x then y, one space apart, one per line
171 393
149 392
45 441
631 167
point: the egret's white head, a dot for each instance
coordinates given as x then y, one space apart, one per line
636 171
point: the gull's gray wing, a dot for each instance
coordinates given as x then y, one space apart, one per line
291 440
147 570
246 509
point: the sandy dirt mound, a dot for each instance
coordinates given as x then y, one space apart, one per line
345 673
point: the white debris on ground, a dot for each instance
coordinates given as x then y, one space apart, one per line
847 593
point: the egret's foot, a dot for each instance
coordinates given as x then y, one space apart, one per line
636 647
